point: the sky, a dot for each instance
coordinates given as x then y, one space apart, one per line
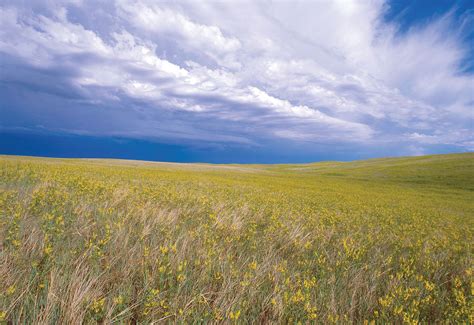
236 81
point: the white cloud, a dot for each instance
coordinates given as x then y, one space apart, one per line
158 21
305 71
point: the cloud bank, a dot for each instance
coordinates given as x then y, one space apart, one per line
302 74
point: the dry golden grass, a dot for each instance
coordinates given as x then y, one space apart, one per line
101 241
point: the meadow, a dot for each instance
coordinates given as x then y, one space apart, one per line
110 241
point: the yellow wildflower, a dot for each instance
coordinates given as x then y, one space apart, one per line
118 300
234 315
11 290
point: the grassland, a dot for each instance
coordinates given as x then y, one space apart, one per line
100 241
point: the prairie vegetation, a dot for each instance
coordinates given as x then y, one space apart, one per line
101 241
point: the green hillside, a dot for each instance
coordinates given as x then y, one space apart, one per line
455 170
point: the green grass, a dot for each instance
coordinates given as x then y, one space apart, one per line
103 240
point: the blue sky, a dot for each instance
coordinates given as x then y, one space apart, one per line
236 81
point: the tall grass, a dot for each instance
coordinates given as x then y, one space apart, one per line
122 242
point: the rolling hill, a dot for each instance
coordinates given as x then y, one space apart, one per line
103 240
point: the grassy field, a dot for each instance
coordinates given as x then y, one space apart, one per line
100 241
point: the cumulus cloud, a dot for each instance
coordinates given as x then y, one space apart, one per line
320 72
160 22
